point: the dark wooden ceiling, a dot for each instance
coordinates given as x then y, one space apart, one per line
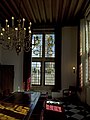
44 11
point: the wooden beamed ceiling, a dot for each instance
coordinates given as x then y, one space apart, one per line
44 11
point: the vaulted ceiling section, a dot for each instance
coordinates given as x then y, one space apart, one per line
44 11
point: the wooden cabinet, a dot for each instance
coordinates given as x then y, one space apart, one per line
6 78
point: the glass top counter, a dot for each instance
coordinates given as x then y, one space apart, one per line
18 106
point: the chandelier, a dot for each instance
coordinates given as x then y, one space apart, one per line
16 37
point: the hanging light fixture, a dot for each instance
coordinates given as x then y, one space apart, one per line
16 37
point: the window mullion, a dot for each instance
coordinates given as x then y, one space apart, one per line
43 59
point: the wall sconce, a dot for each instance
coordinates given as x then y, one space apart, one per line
73 69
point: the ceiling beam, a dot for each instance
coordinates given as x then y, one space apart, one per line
36 10
57 9
38 6
44 11
63 9
25 10
50 9
12 12
84 7
31 11
78 7
60 11
47 9
72 9
5 12
41 9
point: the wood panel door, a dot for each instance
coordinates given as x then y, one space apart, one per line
6 77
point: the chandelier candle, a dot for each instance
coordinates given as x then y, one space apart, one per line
12 21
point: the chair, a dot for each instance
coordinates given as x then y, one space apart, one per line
69 94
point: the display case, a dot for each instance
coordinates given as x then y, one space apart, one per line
53 110
19 105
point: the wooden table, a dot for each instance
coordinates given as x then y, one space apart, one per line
19 105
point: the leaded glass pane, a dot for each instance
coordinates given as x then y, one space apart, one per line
49 73
37 45
36 73
49 45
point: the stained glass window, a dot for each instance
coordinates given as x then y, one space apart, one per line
49 45
37 45
36 73
43 51
49 73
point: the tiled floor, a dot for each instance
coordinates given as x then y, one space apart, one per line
76 111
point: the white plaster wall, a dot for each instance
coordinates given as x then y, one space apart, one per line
11 58
69 56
